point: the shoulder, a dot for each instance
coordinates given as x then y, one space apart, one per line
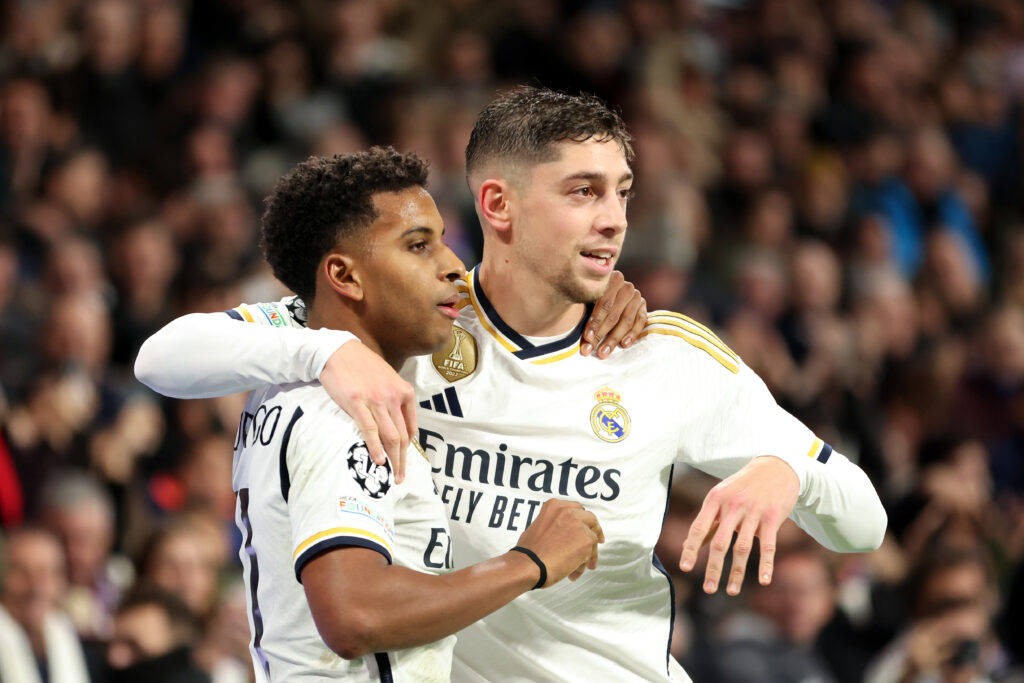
314 411
690 337
288 312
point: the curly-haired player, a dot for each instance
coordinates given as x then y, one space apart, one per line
347 570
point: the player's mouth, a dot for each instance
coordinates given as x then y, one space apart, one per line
447 307
601 260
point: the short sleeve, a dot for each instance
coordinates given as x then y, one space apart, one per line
337 496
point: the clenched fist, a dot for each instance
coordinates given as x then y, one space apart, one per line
564 536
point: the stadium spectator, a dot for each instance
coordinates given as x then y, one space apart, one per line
777 640
950 638
179 558
152 640
81 513
37 642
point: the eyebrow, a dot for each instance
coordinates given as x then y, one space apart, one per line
594 176
420 229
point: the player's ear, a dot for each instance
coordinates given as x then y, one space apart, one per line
342 275
495 200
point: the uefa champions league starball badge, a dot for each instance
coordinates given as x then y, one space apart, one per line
375 480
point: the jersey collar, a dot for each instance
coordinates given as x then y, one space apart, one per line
518 345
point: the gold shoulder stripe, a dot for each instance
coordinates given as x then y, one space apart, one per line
710 350
462 304
463 289
714 341
685 318
690 322
693 327
815 447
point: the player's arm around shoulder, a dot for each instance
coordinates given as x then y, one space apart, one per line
201 355
363 604
617 320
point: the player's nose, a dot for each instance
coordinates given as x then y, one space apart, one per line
452 267
612 219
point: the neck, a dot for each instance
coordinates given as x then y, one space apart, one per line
529 305
342 317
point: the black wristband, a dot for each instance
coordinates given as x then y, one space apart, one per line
540 565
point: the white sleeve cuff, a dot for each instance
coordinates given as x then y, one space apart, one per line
326 343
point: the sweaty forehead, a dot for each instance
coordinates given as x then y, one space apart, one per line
405 209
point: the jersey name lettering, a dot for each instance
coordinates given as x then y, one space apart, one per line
260 426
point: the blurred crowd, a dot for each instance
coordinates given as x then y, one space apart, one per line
832 184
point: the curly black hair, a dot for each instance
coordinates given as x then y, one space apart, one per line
324 199
524 124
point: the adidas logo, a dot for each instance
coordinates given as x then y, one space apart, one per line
446 403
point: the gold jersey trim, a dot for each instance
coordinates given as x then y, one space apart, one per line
341 531
511 347
245 314
689 339
483 319
692 326
557 357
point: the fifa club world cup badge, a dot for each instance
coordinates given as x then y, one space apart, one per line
457 359
609 419
375 480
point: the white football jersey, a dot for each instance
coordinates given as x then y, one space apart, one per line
508 424
305 485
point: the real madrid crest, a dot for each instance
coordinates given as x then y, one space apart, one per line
458 358
609 419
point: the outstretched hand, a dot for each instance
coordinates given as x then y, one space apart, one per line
753 502
618 318
382 403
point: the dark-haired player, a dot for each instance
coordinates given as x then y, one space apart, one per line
346 568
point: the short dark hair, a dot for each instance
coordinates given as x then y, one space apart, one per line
324 199
523 125
26 529
184 624
935 560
